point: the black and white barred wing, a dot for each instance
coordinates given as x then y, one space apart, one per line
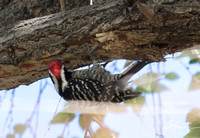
90 90
82 89
96 72
113 93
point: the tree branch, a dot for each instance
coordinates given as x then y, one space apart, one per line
123 29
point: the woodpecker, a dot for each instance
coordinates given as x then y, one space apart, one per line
93 84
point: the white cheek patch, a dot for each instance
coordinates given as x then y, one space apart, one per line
64 81
55 81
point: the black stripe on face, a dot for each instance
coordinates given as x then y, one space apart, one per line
60 86
51 78
58 82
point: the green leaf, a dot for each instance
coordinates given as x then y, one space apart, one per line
20 128
171 76
82 121
63 117
195 60
194 118
194 133
89 118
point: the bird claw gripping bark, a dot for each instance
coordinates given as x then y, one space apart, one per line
91 52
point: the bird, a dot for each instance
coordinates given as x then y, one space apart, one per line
93 84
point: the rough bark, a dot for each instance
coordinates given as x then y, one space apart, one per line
34 33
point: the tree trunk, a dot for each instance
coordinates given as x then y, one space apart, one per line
34 33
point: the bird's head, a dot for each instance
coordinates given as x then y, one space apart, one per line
55 68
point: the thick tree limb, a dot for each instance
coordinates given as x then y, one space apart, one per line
123 29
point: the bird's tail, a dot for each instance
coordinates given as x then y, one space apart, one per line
133 69
125 95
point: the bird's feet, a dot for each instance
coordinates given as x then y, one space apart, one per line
91 52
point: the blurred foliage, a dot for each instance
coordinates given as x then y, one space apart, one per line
153 87
147 83
195 60
10 136
136 104
171 76
147 78
82 121
193 117
105 133
20 128
63 117
195 83
90 118
192 54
